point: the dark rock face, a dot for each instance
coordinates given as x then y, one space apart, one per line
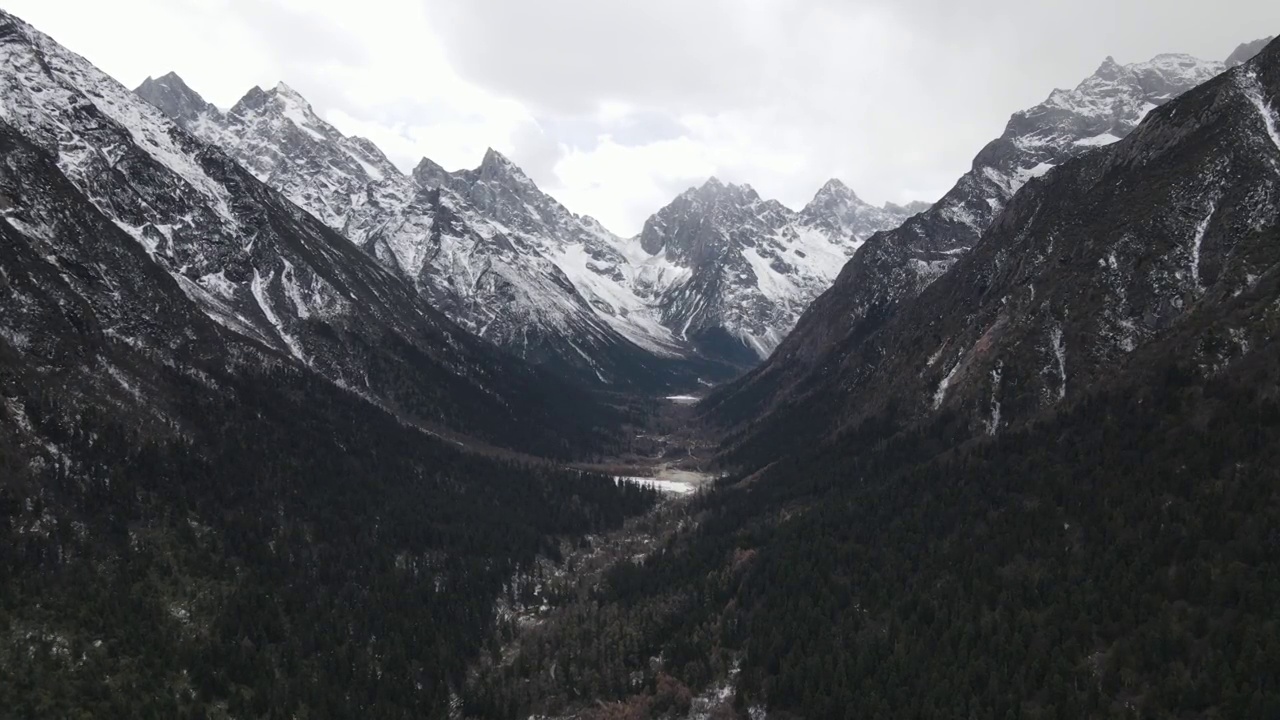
1167 232
175 99
1246 51
894 267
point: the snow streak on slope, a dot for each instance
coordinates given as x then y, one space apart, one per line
1196 241
941 393
1059 354
257 288
1253 90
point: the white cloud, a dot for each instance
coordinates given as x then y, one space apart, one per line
614 107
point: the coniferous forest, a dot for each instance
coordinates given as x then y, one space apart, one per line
339 565
1117 560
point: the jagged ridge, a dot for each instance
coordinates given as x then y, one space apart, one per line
508 262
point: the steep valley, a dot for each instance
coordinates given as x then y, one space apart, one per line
288 431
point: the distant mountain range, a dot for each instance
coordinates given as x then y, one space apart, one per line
714 281
711 286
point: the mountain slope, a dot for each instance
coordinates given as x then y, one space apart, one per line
260 266
895 266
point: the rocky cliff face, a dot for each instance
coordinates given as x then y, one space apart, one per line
744 268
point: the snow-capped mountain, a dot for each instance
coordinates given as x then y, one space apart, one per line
597 265
1154 251
838 211
750 266
510 263
893 267
246 257
485 246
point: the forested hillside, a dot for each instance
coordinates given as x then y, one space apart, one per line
1117 559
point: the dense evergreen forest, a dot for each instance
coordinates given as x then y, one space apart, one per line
1118 559
306 558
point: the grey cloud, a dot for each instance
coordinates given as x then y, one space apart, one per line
639 127
644 127
536 152
564 55
303 45
298 38
893 96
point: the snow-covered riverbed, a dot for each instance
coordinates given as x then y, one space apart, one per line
684 399
672 481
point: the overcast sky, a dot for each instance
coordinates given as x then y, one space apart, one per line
616 106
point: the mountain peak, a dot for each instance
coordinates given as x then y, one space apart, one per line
835 188
834 185
495 159
174 98
282 95
254 99
283 90
170 78
1245 51
283 100
714 187
430 174
169 82
1109 69
496 166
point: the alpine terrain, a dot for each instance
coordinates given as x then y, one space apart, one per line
290 430
712 284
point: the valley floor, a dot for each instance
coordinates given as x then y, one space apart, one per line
671 454
669 451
